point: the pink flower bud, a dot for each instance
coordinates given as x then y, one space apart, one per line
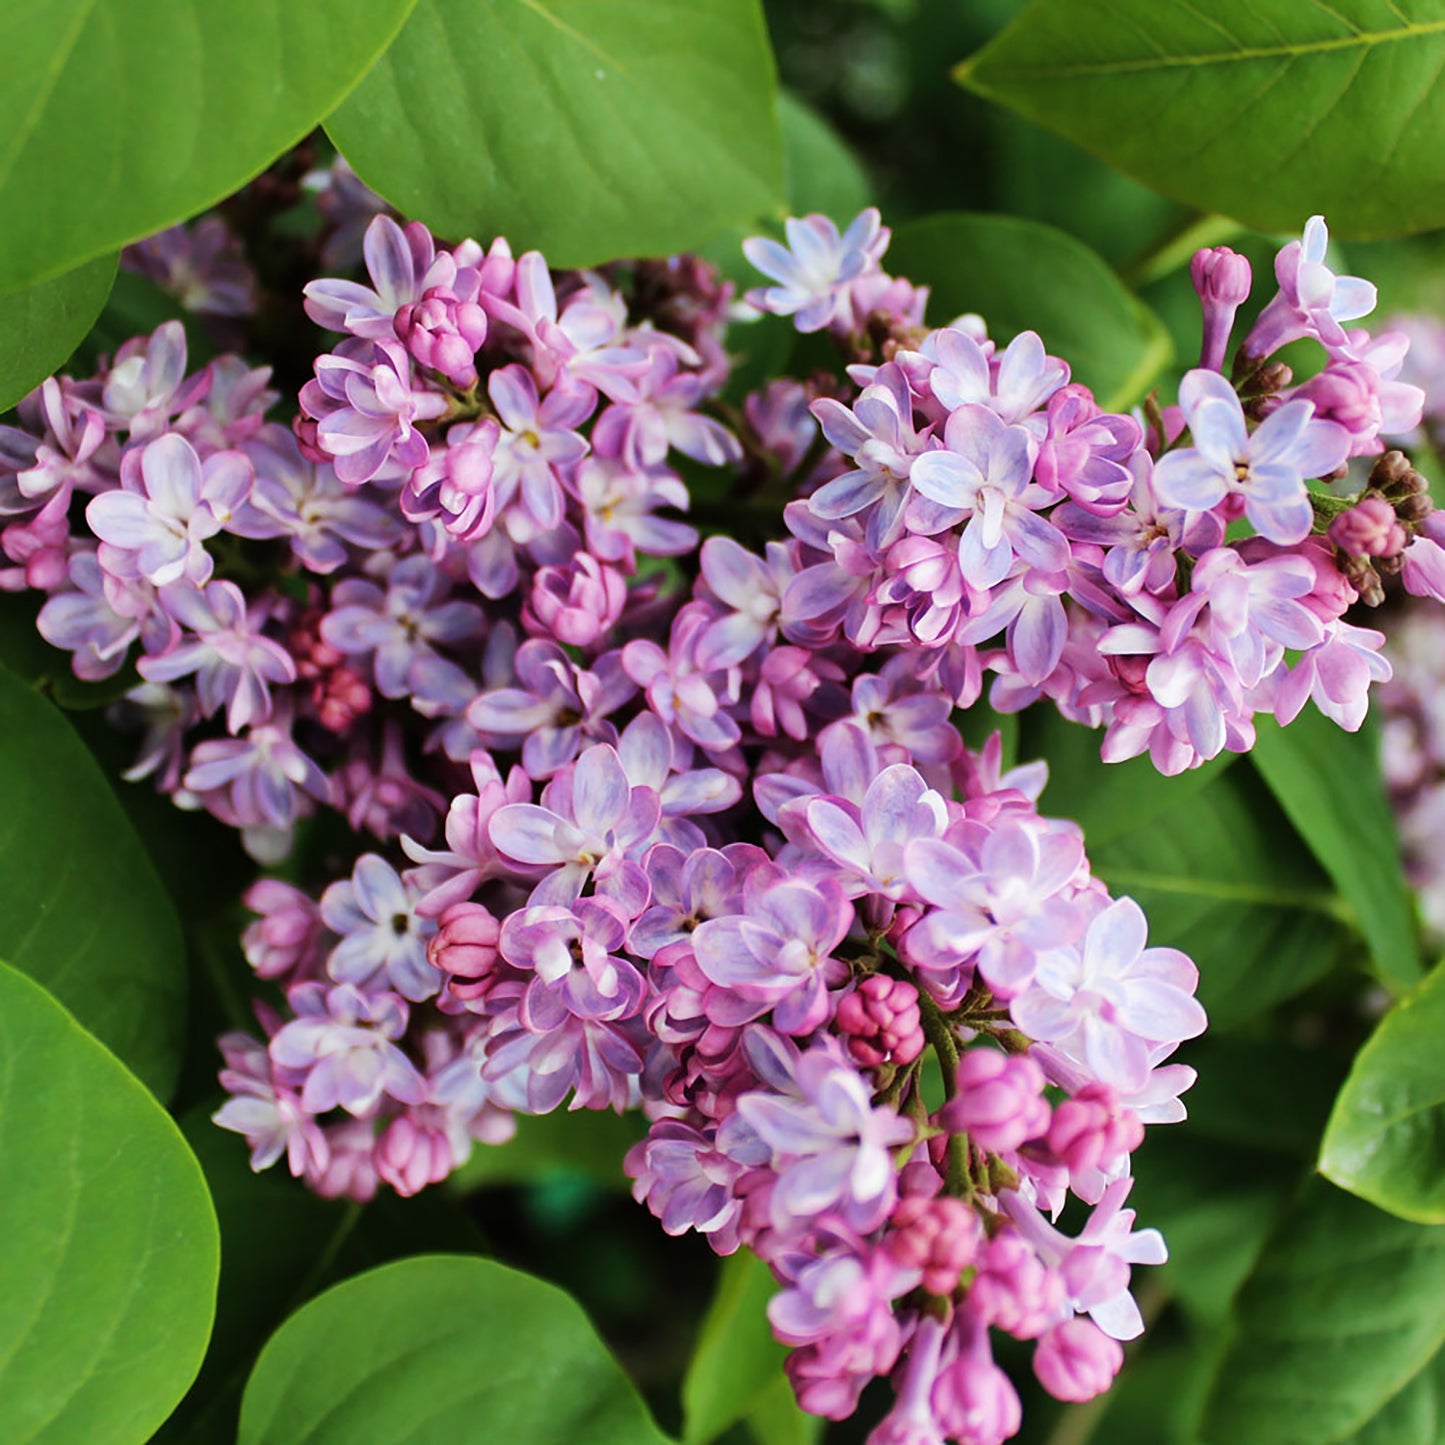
412 1154
999 1103
465 947
282 942
1076 1360
1092 1129
576 604
1013 1288
939 1236
880 1021
444 333
975 1401
1369 529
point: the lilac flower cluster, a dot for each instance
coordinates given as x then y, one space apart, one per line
711 844
989 517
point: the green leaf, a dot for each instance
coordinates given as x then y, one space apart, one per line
1210 858
41 325
1023 276
81 908
1265 110
590 129
1386 1136
108 1244
120 117
1413 1417
1328 781
820 173
1343 1311
441 1348
737 1360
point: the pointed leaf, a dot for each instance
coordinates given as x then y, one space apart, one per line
1386 1137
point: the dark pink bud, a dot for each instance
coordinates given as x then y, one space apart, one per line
305 431
340 698
940 1236
1347 393
1076 1360
880 1021
443 333
1332 593
1369 529
465 947
1092 1129
999 1103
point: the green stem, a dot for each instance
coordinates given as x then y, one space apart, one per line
939 1033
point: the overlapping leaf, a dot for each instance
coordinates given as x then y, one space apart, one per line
42 324
119 117
81 907
1266 110
432 1349
108 1244
590 129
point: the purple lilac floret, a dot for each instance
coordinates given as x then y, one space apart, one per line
687 826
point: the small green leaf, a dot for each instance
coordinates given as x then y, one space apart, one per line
1023 276
120 117
108 1244
737 1360
1265 110
1328 781
1386 1136
81 908
437 1349
1343 1311
590 129
42 324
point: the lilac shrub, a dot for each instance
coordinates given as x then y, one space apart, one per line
646 821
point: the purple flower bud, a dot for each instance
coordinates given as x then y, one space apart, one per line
465 947
1369 529
284 942
1222 278
939 1236
1076 1360
880 1021
999 1103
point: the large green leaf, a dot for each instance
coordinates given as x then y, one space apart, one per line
119 117
1328 781
1209 857
437 1349
736 1360
81 907
1386 1137
1416 1416
108 1244
590 129
1344 1310
1023 276
42 324
820 173
1266 110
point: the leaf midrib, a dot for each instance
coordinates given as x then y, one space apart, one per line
1245 54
